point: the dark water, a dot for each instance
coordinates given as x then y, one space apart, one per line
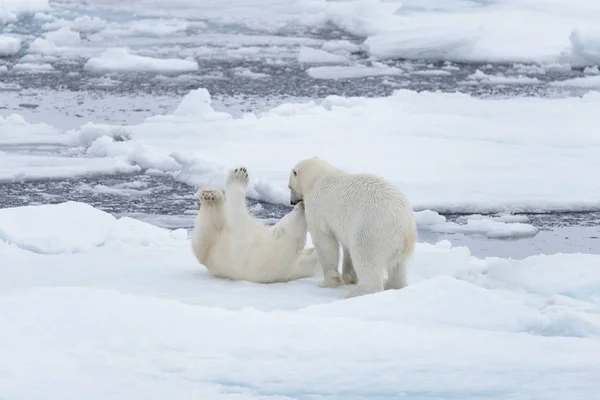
163 201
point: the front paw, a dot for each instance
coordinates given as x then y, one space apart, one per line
238 176
331 282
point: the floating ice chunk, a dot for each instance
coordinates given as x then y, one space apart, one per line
11 10
14 129
9 46
63 37
309 55
44 46
340 45
431 72
72 227
500 227
481 77
23 167
247 73
120 60
33 68
351 72
591 82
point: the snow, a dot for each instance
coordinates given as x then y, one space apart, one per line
139 315
448 152
309 55
121 60
9 45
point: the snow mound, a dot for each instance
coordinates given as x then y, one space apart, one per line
72 227
121 60
9 46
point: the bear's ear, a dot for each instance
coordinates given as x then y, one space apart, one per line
316 158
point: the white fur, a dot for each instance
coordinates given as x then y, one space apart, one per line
373 221
233 244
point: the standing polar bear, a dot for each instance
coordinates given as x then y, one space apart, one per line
373 221
233 244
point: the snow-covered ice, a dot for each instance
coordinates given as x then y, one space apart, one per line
95 306
448 152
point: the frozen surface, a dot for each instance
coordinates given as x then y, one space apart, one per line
139 315
448 152
120 60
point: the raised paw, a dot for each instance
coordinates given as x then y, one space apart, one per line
238 176
210 195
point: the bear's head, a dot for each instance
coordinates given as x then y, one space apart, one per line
304 176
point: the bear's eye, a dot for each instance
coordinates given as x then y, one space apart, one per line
295 173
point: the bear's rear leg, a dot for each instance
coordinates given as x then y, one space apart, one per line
369 270
396 275
348 273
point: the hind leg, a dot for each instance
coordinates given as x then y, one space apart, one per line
369 270
209 222
348 273
396 274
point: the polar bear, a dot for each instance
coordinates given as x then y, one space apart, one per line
233 244
373 221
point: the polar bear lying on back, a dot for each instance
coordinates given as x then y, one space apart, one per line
233 244
372 220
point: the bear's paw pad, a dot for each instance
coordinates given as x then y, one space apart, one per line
210 195
238 176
